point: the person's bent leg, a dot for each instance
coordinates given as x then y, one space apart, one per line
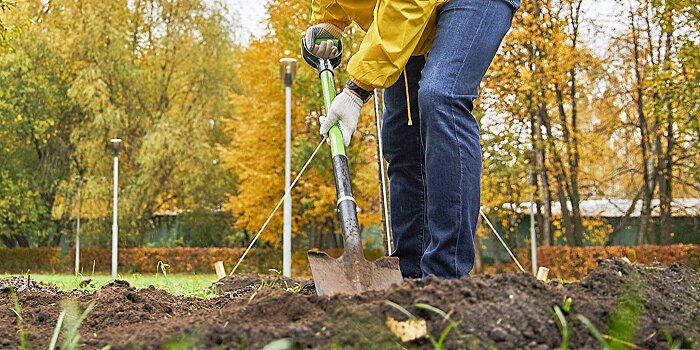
403 151
469 33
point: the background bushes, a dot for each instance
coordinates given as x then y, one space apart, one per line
574 262
564 262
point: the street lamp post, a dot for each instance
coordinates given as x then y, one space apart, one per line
533 235
288 72
79 181
115 228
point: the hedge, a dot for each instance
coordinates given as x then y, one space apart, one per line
574 262
569 263
145 260
564 262
131 260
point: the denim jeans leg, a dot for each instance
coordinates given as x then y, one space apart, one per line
403 151
469 33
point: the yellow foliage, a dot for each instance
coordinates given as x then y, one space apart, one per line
597 229
256 153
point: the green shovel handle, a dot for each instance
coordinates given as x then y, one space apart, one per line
320 40
335 136
347 208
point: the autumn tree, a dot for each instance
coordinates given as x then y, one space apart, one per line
154 73
656 89
5 29
536 88
617 126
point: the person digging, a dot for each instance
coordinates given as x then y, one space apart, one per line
430 56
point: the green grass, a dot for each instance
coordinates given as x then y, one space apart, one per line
178 284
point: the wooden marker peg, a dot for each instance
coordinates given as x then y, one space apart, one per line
220 271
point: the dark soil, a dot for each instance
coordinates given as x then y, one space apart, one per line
508 311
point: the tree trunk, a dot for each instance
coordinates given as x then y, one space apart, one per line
542 178
8 241
665 189
561 182
624 219
572 144
572 153
478 263
647 162
543 194
666 163
497 258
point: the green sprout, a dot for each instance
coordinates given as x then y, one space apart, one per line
567 305
163 268
606 341
294 289
439 343
673 344
20 321
563 327
400 309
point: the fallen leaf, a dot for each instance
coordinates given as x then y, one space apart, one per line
407 330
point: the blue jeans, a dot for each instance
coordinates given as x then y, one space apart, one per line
435 164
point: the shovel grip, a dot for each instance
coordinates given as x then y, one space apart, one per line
335 136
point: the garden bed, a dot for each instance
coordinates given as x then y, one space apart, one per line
644 305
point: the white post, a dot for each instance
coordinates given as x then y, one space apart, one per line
287 73
115 227
533 238
77 230
378 110
287 234
533 235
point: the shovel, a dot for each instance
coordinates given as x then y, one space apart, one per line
351 273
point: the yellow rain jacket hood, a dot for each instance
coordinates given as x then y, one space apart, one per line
396 30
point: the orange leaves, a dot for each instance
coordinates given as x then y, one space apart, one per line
145 260
564 262
574 262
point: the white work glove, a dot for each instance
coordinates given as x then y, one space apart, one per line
326 49
345 110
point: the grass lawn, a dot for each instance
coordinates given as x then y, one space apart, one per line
179 284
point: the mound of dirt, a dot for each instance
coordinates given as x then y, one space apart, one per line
508 311
242 284
21 284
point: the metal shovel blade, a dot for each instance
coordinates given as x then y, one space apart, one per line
352 276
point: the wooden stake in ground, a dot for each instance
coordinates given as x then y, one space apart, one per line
542 273
220 271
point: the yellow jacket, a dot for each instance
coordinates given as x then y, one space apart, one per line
396 30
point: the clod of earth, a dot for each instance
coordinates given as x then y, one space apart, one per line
507 311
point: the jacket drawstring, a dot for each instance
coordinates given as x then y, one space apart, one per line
408 98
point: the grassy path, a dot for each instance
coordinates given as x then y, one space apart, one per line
179 284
